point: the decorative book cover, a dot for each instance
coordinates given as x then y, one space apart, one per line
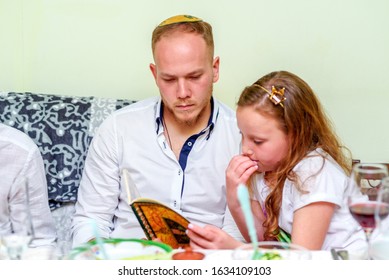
160 221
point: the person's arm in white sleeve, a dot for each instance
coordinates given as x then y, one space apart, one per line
99 189
42 220
230 227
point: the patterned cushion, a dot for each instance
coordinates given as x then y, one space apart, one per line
62 127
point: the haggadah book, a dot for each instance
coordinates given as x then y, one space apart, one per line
162 222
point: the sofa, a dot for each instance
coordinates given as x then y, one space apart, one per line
62 127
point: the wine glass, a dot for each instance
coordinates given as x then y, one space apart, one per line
379 248
365 181
63 218
20 234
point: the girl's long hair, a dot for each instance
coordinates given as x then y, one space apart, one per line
304 121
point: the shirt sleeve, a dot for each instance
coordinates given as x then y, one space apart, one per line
99 189
323 180
42 220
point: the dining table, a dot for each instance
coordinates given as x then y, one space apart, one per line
209 255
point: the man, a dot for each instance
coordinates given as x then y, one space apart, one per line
175 147
22 171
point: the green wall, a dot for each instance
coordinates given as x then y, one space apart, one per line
102 48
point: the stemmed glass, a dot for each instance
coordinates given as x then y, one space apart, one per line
63 220
365 181
379 247
21 233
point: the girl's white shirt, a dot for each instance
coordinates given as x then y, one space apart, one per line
324 181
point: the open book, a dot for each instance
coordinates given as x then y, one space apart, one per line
156 219
160 221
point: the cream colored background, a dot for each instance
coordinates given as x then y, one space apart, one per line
102 48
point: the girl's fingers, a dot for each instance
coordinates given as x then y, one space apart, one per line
247 173
240 170
239 165
202 237
236 161
200 232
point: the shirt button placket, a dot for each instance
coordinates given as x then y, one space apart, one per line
177 194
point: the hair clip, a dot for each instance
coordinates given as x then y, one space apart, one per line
275 96
179 19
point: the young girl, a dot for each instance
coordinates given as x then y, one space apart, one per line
294 164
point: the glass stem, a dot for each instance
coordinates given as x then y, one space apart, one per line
14 253
368 235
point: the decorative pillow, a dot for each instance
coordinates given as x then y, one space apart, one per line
62 127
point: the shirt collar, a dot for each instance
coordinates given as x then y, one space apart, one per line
211 122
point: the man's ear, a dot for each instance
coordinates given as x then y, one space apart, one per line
153 69
215 66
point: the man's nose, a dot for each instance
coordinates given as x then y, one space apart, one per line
183 89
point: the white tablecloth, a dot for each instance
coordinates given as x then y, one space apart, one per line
228 255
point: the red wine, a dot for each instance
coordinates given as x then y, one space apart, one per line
363 212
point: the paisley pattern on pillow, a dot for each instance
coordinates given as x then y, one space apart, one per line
62 127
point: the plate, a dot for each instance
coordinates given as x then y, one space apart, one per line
272 250
218 255
122 249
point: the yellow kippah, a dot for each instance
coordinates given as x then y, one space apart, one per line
178 19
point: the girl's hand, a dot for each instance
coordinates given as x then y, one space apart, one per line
210 237
238 172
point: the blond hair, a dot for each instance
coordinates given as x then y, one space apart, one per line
304 121
201 28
